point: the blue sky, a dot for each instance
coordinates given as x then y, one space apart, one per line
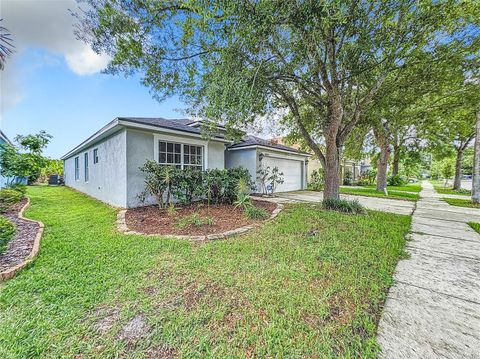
53 81
70 106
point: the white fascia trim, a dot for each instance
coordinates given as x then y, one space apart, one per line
91 139
168 130
271 149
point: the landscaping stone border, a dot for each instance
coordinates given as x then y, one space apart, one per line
122 227
11 272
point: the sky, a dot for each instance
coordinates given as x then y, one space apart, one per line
53 82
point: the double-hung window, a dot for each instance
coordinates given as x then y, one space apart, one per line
86 166
95 156
180 155
77 168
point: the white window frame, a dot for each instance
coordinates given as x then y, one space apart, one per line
95 156
182 141
86 174
77 168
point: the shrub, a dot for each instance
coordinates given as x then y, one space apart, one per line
396 181
18 187
317 180
194 220
7 230
9 197
343 205
269 179
347 179
186 184
253 212
158 182
243 199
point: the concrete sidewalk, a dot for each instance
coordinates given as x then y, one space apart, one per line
374 203
433 309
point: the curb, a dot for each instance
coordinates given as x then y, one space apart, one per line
123 228
11 272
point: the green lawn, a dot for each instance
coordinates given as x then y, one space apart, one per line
461 202
475 226
440 188
372 192
309 284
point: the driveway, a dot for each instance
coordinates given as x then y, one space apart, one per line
433 309
374 203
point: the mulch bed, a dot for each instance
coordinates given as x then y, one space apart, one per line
20 246
151 220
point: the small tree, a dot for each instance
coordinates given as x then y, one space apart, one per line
262 178
158 183
275 178
447 169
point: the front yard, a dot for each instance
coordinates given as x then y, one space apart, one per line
308 284
408 192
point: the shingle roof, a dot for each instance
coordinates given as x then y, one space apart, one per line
250 140
174 124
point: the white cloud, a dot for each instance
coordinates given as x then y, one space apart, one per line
43 24
86 61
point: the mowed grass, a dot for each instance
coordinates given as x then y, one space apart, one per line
442 189
461 202
372 192
308 284
475 226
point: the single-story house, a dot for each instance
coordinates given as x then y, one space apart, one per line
106 165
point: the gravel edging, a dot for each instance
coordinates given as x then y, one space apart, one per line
10 272
122 227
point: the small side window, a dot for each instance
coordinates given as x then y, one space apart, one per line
77 168
95 156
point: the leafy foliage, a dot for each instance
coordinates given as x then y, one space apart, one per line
253 212
7 230
396 181
269 179
317 180
166 183
194 220
343 205
9 197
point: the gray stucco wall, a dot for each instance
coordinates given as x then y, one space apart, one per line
141 147
107 178
243 158
216 155
139 150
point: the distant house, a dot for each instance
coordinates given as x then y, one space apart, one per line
3 139
106 165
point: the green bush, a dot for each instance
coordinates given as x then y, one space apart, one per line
396 181
186 184
9 197
252 212
347 179
7 230
317 180
343 205
18 187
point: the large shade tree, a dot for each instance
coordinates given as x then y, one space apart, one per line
236 61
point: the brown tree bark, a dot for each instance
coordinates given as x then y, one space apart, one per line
396 160
476 163
382 167
457 183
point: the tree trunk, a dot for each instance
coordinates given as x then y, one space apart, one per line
396 160
476 163
457 183
382 167
332 171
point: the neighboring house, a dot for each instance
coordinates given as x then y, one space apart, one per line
106 165
4 139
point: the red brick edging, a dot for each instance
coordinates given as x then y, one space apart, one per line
10 272
122 227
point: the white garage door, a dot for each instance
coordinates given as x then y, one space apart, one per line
292 172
